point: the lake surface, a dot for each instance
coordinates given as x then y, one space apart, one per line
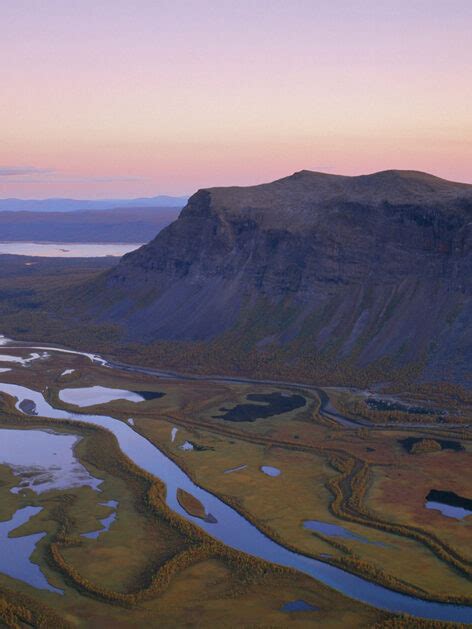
270 471
298 605
67 249
89 396
449 504
43 460
233 529
457 513
15 552
267 405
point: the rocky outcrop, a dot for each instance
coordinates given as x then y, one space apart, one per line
363 267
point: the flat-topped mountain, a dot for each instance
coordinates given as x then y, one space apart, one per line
294 200
368 270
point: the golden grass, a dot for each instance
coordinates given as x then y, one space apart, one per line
300 445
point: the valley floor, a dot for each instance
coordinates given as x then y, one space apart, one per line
351 495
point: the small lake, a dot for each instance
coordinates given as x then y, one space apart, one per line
449 504
457 513
268 470
298 605
266 405
67 249
43 460
89 396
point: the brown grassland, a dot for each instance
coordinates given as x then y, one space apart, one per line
153 567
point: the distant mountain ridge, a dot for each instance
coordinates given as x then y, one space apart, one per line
309 271
72 205
131 224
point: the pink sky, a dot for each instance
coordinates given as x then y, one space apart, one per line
136 98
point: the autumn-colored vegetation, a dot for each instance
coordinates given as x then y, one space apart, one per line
424 446
192 505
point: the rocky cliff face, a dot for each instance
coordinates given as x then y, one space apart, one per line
369 267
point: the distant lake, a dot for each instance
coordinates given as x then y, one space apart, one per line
67 250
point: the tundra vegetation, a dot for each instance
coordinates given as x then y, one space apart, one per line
154 564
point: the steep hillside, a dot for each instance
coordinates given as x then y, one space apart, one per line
310 269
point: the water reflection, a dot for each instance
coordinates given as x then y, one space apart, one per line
15 552
67 250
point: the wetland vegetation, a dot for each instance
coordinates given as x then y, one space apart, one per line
332 474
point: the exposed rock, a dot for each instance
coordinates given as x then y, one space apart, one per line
363 268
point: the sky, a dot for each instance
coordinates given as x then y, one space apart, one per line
125 98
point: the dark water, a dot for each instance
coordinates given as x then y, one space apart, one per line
450 498
272 404
150 395
457 513
298 606
390 405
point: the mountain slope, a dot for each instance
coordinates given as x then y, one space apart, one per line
369 270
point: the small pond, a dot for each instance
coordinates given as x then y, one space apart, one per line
89 396
449 504
269 404
298 605
150 395
270 471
